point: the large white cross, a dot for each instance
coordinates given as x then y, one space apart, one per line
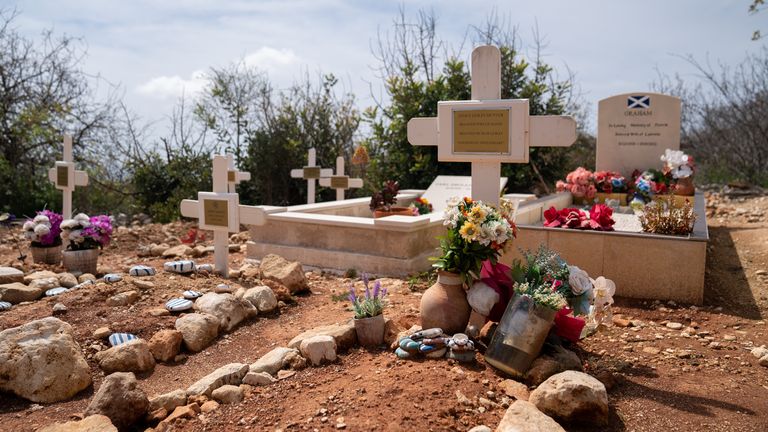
310 173
221 212
488 130
66 177
235 177
341 182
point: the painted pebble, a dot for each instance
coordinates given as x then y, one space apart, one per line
462 356
191 295
403 354
435 341
83 284
205 268
437 353
116 339
223 288
178 305
141 270
407 344
427 348
185 266
55 291
428 333
4 306
112 278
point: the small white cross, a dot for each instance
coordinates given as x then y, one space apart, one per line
235 177
66 177
488 130
341 182
221 212
310 173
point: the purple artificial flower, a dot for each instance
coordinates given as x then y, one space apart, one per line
53 235
367 288
352 297
376 288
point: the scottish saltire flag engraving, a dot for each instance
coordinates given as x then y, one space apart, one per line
642 102
116 339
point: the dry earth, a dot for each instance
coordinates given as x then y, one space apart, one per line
699 378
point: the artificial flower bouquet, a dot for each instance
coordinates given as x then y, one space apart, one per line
580 183
610 185
477 232
679 167
421 206
599 218
44 229
84 232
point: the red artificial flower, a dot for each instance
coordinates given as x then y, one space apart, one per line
601 217
552 218
574 218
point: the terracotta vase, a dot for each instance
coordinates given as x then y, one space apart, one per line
370 331
46 254
83 261
393 211
445 305
685 187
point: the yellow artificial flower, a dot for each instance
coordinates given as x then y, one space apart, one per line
469 231
477 214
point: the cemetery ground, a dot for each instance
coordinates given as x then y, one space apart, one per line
667 366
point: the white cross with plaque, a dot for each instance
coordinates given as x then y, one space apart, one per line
488 130
221 212
341 182
310 173
235 177
66 177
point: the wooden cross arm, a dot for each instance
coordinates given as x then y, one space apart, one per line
299 173
241 176
422 131
552 131
248 215
353 182
81 177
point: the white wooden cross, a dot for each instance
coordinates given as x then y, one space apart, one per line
66 177
221 212
235 177
341 182
310 173
488 130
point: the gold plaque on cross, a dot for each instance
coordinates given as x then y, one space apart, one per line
340 182
230 176
311 173
216 212
62 176
481 131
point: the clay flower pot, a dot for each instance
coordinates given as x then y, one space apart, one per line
46 254
83 261
370 331
393 211
685 187
445 305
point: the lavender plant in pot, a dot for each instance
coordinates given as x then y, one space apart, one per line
43 232
383 201
369 313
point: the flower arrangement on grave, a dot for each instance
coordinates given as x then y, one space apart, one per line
85 236
547 291
647 184
383 201
580 183
599 218
680 167
476 234
668 216
421 206
610 186
43 232
369 312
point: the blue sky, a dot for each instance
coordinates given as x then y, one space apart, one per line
157 49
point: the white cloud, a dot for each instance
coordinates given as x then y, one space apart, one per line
171 87
270 59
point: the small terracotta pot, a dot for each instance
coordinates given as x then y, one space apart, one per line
685 187
445 305
393 211
83 261
46 254
370 331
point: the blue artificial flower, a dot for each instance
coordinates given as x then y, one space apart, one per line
617 182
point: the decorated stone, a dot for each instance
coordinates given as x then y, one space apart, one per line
116 339
178 305
438 353
205 268
441 341
112 278
191 295
408 344
428 333
184 266
462 356
4 306
141 270
403 354
55 291
83 284
223 288
460 342
424 349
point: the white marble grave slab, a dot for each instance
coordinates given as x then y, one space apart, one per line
447 187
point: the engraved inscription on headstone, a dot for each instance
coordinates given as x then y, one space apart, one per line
311 172
481 131
62 176
339 182
216 212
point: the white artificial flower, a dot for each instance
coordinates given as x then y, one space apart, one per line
76 236
674 158
451 216
603 292
41 219
30 235
29 225
42 230
81 216
579 280
683 171
68 224
482 298
453 201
